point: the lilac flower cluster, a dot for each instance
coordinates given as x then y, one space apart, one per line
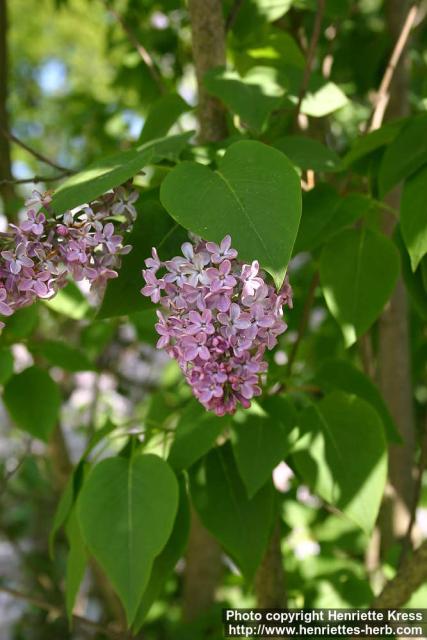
38 255
219 318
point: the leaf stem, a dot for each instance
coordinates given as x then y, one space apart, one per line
310 55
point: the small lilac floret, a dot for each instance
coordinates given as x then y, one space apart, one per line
218 318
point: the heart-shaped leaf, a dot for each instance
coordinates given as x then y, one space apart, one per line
241 524
260 442
358 272
254 196
126 511
165 563
334 429
341 374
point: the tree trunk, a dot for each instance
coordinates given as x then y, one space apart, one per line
7 191
208 38
203 560
270 585
203 570
394 347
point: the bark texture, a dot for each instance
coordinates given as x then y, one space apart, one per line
270 584
6 190
203 570
394 347
208 38
203 560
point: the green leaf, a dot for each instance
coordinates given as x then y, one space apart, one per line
62 512
325 213
20 325
196 433
307 153
319 206
115 170
423 268
61 354
74 484
349 209
272 10
323 101
406 154
126 511
162 115
153 228
97 437
255 196
370 142
413 216
76 563
358 272
70 302
413 281
240 524
343 456
340 374
260 442
253 14
33 400
252 97
165 563
6 364
274 48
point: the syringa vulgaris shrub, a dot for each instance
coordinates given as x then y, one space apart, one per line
221 306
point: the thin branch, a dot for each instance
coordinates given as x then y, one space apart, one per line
10 136
142 51
36 179
304 321
383 94
53 609
9 475
310 55
232 15
409 577
422 464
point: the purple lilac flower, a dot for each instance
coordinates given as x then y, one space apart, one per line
218 318
37 255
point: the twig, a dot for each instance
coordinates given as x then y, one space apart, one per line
383 95
35 179
409 577
232 15
9 475
10 136
142 51
367 355
310 55
53 609
304 321
305 388
422 464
